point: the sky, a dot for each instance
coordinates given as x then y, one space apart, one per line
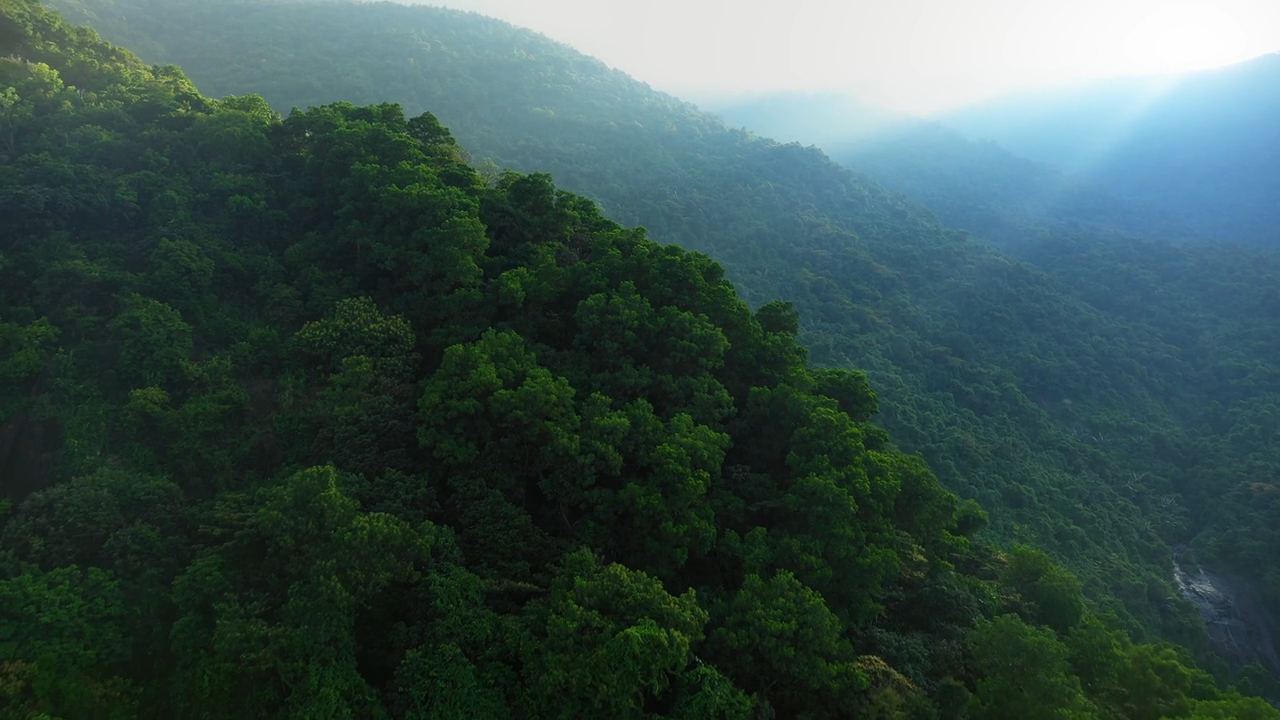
913 56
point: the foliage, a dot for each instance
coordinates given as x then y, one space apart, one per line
1017 393
347 431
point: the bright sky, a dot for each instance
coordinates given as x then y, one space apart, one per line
916 56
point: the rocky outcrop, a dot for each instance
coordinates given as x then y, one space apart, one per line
1241 629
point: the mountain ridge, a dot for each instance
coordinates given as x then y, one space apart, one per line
1199 146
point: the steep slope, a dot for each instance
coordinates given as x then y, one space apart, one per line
348 431
1000 378
1202 147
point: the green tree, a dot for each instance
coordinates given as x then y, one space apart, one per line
154 341
609 641
1024 673
267 615
777 639
1049 594
61 643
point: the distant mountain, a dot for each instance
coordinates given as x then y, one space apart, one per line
1083 425
998 196
977 186
1202 147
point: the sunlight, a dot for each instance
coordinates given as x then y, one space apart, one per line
1186 36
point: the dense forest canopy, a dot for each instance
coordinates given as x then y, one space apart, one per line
306 417
1082 411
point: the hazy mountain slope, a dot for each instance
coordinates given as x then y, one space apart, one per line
1000 377
998 196
1202 147
1215 304
822 119
976 186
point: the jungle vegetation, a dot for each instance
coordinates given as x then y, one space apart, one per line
1103 437
305 416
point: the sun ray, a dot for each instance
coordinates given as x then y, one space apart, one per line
1186 36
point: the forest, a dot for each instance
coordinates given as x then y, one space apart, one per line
317 415
1106 417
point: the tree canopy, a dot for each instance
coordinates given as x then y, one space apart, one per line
305 417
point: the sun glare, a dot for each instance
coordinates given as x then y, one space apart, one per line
1186 36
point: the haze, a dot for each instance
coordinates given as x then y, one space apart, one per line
915 56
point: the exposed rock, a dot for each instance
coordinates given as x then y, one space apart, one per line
1241 629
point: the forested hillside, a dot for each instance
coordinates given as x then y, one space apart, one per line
1202 147
1079 430
305 418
